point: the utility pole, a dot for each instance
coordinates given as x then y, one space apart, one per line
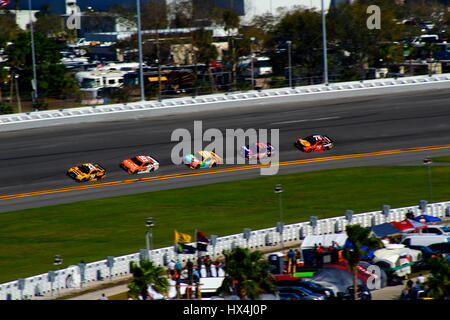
289 43
324 40
252 39
19 104
141 71
34 95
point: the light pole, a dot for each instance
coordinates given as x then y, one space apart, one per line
141 70
34 94
19 104
252 39
57 261
289 43
279 190
149 235
159 77
324 40
427 162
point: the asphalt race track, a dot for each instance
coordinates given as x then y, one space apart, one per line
34 160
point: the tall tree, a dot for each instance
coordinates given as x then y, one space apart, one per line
358 237
359 46
206 52
231 22
180 14
438 283
303 28
246 274
145 274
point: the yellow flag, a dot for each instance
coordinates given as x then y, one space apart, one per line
182 237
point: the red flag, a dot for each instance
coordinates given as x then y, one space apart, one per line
202 241
4 3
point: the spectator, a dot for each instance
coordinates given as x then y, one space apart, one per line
298 258
291 257
420 279
410 215
190 269
196 276
320 248
385 241
103 297
208 263
171 265
199 263
178 267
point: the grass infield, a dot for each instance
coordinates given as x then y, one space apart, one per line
92 230
441 159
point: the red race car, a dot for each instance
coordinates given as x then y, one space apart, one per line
314 143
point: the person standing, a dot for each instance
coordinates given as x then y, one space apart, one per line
190 270
291 257
208 266
178 267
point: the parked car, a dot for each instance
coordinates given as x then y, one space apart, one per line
423 239
313 287
435 230
297 293
363 293
426 251
443 247
305 290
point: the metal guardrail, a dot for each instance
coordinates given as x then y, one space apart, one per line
75 277
90 111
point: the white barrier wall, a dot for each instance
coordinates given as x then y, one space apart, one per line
123 111
74 277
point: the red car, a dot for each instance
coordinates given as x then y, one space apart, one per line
314 143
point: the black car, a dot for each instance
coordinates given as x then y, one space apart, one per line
443 247
363 293
311 286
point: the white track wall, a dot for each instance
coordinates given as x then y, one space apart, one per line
101 271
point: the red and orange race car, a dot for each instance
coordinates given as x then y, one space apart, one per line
140 164
314 143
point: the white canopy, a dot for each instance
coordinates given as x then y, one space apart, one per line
325 239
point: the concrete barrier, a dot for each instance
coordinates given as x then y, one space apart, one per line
141 109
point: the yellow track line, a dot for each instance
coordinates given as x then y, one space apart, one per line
249 167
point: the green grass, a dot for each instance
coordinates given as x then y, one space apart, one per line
92 230
441 159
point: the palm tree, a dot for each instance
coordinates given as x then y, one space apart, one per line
246 273
144 274
206 52
359 237
438 284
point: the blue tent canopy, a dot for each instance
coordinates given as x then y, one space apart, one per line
385 229
427 218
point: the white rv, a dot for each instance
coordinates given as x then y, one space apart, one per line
99 79
261 67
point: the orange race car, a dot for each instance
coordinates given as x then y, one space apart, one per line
140 164
314 143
